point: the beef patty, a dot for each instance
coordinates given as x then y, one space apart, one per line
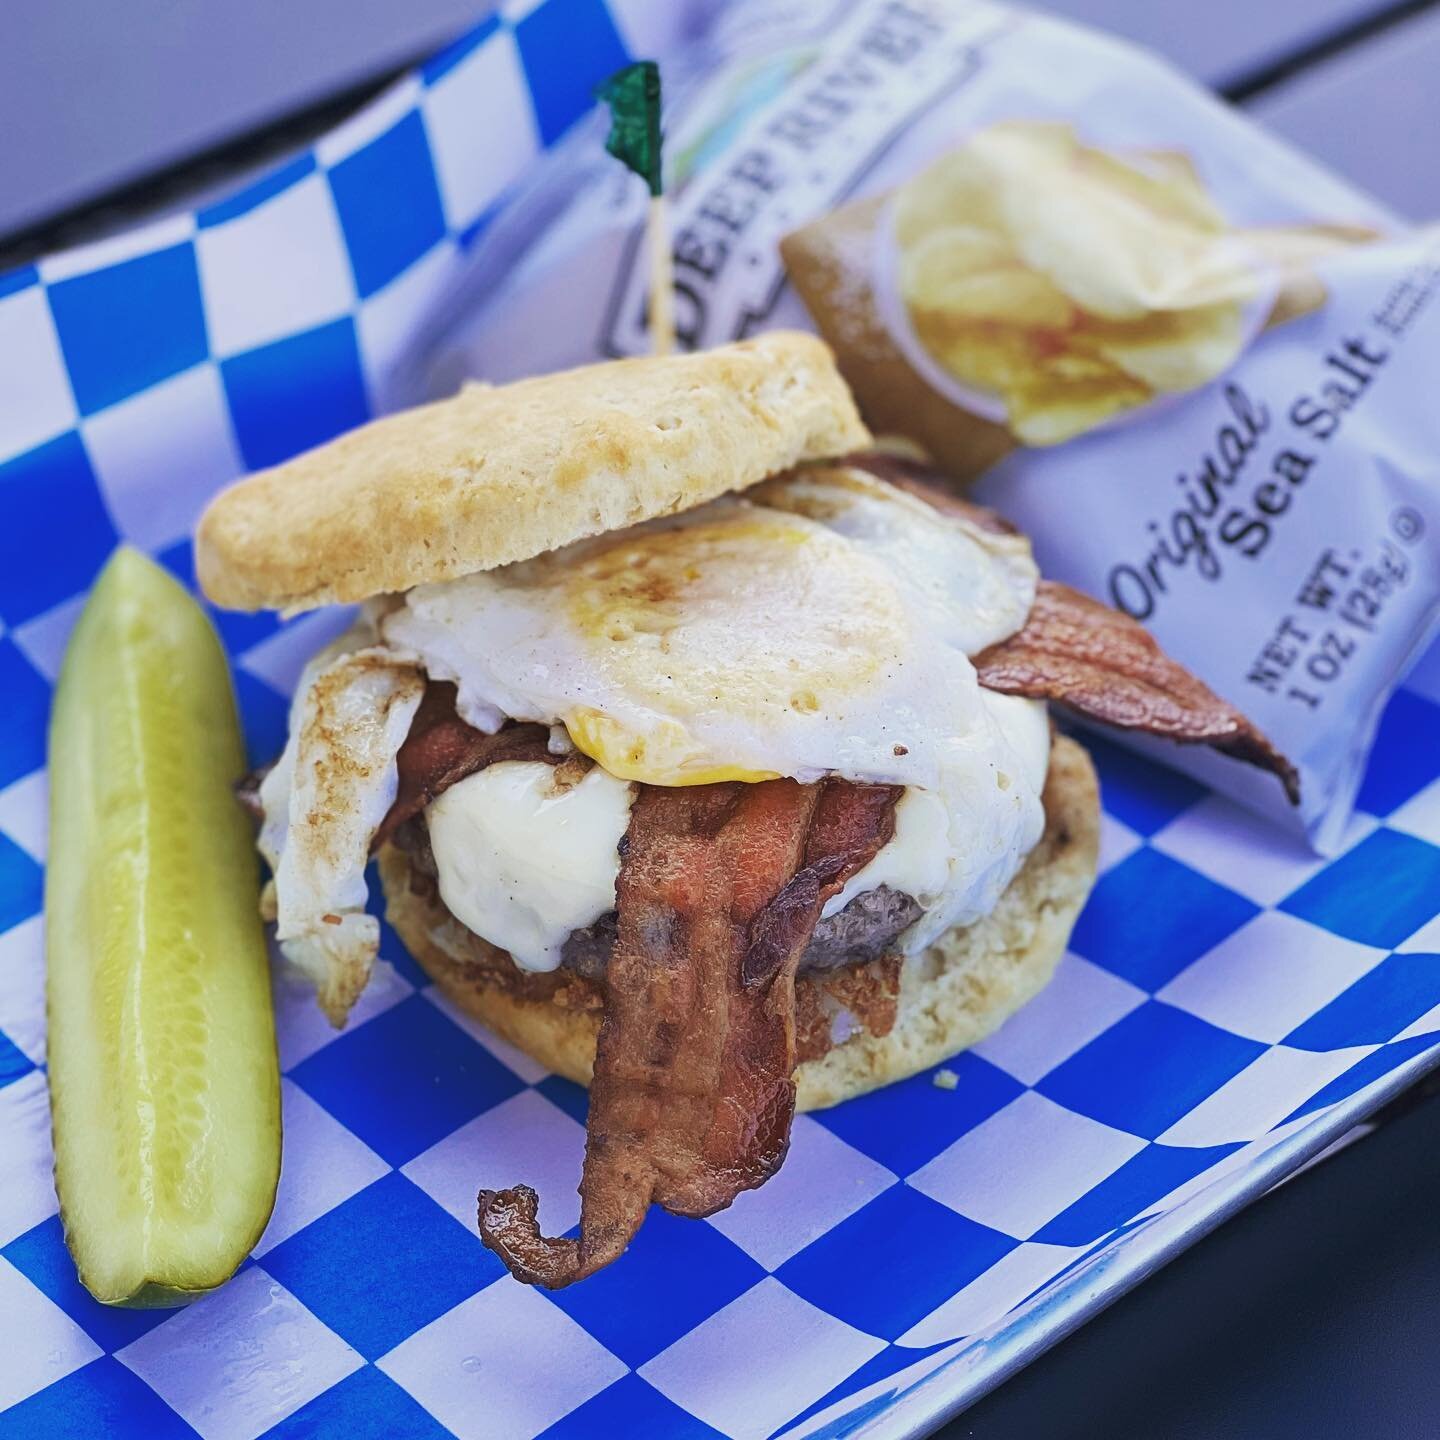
861 932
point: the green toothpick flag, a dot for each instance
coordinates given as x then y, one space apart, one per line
633 95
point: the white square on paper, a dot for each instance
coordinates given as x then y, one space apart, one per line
25 813
1117 842
510 1056
992 1294
472 173
369 123
44 639
1427 1024
1420 814
22 988
1267 977
160 455
1261 1095
822 1181
1228 1166
523 1136
514 11
38 402
1425 941
1240 850
279 658
129 243
763 1358
240 1360
27 1195
503 1365
42 1343
323 1165
1019 1169
300 1025
1081 1002
276 270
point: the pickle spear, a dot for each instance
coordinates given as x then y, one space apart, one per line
164 1085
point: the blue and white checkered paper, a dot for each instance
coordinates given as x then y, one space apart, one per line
1229 1003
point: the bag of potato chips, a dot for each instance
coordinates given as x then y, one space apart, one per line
1188 361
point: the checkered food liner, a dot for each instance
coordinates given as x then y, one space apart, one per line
1229 1003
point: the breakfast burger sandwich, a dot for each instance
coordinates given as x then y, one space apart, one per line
704 751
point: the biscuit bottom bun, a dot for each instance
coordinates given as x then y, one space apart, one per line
951 995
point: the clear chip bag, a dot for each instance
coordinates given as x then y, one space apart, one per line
1192 364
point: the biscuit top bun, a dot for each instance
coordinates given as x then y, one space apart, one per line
500 474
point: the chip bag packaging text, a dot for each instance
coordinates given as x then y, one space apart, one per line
1188 361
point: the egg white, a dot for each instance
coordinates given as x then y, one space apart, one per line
822 625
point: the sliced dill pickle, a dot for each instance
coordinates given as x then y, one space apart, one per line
164 1085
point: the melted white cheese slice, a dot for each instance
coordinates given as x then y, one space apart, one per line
523 861
955 867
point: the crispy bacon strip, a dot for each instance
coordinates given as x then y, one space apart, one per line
1090 658
441 750
1104 666
720 887
719 891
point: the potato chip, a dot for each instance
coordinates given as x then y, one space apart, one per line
1070 282
954 250
1119 241
1046 415
824 260
937 278
1171 351
1114 258
1164 181
990 357
1301 293
1065 358
956 190
1293 250
1293 247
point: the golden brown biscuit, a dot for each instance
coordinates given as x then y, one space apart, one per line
951 995
500 474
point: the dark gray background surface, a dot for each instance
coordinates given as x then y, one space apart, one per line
95 95
1312 1314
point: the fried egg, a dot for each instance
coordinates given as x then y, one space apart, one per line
323 801
820 625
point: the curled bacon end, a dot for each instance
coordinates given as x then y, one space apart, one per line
1103 665
720 888
508 1227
